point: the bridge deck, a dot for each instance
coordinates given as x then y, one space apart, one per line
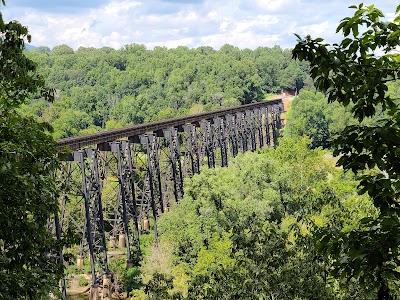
114 134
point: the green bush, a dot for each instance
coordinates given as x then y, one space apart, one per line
133 279
83 282
127 279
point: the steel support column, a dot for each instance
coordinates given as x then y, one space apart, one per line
267 126
242 130
191 159
152 180
174 167
251 129
273 125
128 207
258 116
221 140
207 142
232 133
95 234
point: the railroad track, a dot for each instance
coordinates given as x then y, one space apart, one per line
157 127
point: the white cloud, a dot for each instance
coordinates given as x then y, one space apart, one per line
172 43
120 7
276 6
242 23
212 15
391 16
316 29
225 25
241 40
115 40
259 21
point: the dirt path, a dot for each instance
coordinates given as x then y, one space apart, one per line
76 283
73 284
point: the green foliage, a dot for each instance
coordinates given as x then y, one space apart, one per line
126 279
266 268
133 280
352 73
72 268
135 85
29 266
245 231
311 115
83 282
216 254
71 122
159 287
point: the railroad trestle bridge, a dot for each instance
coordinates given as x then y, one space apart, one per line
116 184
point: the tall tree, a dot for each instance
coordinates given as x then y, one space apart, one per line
28 268
307 117
358 70
311 115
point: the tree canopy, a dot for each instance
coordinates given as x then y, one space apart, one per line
311 115
246 231
29 266
357 71
133 85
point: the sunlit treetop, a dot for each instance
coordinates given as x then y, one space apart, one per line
358 69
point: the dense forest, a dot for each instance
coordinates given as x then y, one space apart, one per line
246 231
104 88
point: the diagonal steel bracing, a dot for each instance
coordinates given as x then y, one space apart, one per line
127 206
119 186
152 189
191 150
94 222
221 140
173 169
207 142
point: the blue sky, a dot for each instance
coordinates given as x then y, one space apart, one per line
170 23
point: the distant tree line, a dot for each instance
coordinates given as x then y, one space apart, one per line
106 88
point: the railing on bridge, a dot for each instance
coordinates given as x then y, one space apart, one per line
117 183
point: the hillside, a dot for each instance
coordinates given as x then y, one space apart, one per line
104 88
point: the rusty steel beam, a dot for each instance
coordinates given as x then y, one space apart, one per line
81 141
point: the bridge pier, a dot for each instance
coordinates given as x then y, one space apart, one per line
106 292
94 292
251 129
259 126
128 205
152 182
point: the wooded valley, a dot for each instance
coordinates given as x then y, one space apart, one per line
99 89
315 216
